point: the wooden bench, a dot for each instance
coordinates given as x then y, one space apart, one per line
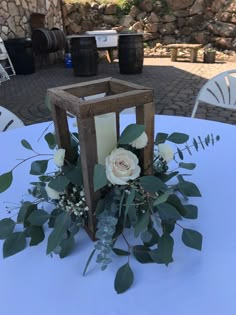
193 50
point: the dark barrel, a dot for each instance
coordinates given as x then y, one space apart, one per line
130 52
21 55
84 55
47 41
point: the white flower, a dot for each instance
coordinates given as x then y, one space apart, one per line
121 166
52 193
59 157
140 142
166 152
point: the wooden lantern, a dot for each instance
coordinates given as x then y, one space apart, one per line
119 95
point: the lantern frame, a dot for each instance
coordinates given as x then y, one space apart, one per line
119 95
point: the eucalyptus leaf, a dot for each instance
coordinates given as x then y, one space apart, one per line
160 137
132 214
99 177
187 188
39 167
165 247
195 144
176 202
188 166
152 184
161 198
180 153
124 278
37 235
25 210
131 133
14 244
51 140
74 173
168 212
6 228
191 212
38 217
178 138
61 224
26 145
192 238
120 252
53 216
129 200
141 253
59 183
155 238
88 261
142 223
67 246
5 181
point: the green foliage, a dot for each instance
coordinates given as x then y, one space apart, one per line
13 244
152 184
39 167
192 239
62 222
5 181
26 145
131 132
6 228
151 206
59 183
124 278
99 177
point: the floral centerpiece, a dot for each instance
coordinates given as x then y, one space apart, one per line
142 210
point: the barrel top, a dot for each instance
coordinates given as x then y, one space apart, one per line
193 46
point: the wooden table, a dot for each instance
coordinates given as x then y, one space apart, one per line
192 47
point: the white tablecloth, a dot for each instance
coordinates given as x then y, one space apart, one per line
196 283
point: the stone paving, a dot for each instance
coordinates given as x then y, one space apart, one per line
175 85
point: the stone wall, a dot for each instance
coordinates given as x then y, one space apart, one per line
165 21
15 16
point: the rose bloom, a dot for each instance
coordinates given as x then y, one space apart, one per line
52 193
166 152
122 166
59 157
140 142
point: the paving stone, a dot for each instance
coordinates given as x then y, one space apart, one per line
175 84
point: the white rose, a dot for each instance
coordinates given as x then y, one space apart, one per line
122 166
140 142
59 157
166 152
52 193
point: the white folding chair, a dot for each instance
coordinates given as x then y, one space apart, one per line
9 120
3 75
219 91
5 59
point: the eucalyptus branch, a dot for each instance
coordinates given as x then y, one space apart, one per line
29 158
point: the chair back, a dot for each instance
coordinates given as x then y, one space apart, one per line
9 120
3 75
219 91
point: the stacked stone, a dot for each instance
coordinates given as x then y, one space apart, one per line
15 16
169 21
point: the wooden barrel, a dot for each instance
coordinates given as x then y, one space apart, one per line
84 55
46 41
58 37
130 53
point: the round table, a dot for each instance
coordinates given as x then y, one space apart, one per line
196 283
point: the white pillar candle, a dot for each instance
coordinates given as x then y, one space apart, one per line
106 135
